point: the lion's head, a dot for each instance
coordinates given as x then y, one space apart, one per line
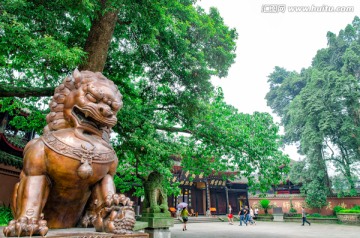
87 101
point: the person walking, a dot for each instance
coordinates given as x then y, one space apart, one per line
230 216
178 211
303 214
251 215
185 217
256 213
242 214
247 215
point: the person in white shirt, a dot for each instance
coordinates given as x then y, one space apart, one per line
256 212
251 218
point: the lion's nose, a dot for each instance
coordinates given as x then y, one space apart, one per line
106 112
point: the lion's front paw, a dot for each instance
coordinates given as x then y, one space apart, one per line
120 220
125 222
117 216
9 230
26 227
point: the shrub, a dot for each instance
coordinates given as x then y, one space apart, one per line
5 215
315 215
337 209
265 204
356 207
349 211
293 210
292 215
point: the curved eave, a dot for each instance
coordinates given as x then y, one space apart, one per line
11 160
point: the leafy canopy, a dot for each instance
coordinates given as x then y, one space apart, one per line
319 108
162 55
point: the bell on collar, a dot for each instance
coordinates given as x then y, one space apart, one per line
85 170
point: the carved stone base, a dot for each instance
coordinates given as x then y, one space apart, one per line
89 233
157 220
99 235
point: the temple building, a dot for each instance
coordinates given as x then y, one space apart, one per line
209 195
12 143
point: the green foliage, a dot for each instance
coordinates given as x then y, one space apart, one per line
315 195
266 215
319 109
265 205
292 209
356 207
25 115
337 209
5 215
162 57
349 211
315 215
342 186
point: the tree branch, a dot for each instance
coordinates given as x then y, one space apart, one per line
23 92
173 129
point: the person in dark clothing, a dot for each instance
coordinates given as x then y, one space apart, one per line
247 215
303 214
242 214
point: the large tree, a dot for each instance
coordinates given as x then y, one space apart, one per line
162 55
320 106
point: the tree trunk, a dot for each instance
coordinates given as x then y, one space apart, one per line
322 166
99 38
348 176
97 46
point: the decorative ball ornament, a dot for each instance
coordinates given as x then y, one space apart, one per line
85 170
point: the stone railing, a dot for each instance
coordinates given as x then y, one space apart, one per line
349 218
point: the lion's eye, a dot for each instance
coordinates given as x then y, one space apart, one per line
91 98
115 106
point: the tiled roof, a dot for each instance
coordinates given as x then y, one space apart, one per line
9 159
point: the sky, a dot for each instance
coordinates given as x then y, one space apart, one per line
289 38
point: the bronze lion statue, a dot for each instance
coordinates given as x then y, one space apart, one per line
67 176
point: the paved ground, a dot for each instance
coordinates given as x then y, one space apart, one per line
265 230
261 230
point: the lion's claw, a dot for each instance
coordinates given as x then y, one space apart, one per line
26 227
116 215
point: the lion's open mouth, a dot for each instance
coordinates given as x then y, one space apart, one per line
87 120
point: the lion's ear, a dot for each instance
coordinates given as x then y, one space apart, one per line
77 77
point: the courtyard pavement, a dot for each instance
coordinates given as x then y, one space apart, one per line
260 230
265 230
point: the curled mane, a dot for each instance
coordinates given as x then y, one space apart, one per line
64 98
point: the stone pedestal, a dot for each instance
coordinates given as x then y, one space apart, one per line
278 217
157 220
158 233
278 214
158 224
88 233
99 235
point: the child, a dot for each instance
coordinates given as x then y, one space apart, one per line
230 216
